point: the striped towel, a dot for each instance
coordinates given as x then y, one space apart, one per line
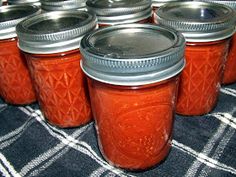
202 145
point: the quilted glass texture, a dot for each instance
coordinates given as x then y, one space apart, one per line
200 80
15 82
134 124
61 88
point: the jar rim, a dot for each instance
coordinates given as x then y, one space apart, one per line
128 54
14 14
230 3
198 21
158 3
55 31
125 18
23 2
107 8
54 5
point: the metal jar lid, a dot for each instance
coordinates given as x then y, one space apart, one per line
132 54
158 3
120 11
54 32
198 21
10 16
61 5
229 3
24 2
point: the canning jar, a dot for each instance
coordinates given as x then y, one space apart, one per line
207 28
133 72
121 12
63 5
230 65
51 42
15 83
24 2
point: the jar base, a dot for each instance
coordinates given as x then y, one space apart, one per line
67 127
19 104
163 156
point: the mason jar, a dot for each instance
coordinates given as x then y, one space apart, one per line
63 5
15 83
207 28
133 72
51 43
121 12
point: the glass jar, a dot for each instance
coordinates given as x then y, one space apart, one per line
230 71
63 5
15 83
207 28
51 44
132 88
24 2
121 12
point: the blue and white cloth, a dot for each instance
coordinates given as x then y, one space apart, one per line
202 146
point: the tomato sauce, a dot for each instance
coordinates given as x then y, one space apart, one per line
230 66
134 124
61 88
15 82
201 79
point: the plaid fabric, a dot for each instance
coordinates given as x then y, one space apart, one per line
202 146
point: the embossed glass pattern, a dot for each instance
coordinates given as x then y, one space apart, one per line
132 88
201 78
207 28
230 65
134 124
51 44
15 83
230 71
61 88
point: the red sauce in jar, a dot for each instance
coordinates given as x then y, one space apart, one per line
201 78
15 83
230 66
134 124
61 87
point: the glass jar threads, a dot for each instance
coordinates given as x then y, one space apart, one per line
51 44
133 73
120 12
15 83
207 28
62 5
